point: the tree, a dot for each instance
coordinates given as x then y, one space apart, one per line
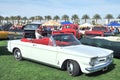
109 16
12 18
75 18
85 17
1 19
40 18
96 17
118 16
65 17
36 18
45 18
93 22
56 18
7 19
18 18
32 18
25 19
48 17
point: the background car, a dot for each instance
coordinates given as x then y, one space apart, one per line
4 31
101 31
110 42
15 34
4 34
29 29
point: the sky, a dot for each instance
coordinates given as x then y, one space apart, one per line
30 8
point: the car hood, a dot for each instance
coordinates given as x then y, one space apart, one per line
88 51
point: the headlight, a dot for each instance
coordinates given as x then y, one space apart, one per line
110 56
93 61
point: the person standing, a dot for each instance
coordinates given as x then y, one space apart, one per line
38 32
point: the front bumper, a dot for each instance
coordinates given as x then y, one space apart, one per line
98 68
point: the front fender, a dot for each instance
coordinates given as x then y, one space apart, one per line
61 58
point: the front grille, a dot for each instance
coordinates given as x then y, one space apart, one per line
105 59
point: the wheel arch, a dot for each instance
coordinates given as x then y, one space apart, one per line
64 64
14 49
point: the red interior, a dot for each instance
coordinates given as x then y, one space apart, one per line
44 41
26 40
58 43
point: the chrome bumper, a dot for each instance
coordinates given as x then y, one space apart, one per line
97 68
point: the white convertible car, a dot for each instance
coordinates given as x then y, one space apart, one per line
63 51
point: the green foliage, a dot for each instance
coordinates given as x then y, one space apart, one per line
65 17
85 17
10 69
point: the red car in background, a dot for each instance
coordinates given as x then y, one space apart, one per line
69 28
99 31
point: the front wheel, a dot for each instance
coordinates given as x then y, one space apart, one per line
73 68
17 54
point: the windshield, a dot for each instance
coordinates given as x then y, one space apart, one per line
65 40
31 27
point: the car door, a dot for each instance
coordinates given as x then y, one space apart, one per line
44 53
26 49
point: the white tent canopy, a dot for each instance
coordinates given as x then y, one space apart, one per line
51 23
86 25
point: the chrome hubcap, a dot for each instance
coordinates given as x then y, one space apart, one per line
17 54
70 67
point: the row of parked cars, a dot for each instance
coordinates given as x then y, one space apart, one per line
28 31
104 37
7 33
100 31
62 50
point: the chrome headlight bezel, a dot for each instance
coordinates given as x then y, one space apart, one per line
98 60
93 61
110 57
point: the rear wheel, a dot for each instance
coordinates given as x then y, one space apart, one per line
73 68
17 54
